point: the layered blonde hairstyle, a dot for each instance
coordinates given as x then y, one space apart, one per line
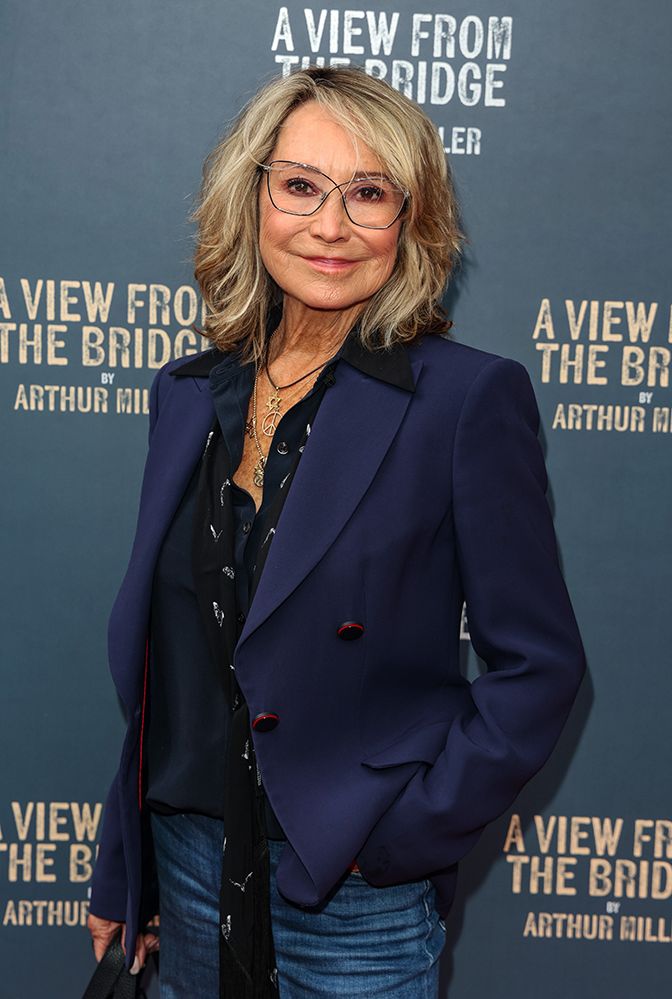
238 292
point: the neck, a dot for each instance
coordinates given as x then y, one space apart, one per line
308 335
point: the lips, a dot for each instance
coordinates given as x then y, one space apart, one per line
330 263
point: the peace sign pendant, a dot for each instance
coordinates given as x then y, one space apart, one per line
268 425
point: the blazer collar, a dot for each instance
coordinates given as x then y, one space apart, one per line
391 365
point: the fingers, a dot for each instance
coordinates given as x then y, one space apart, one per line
147 943
99 948
102 931
140 956
151 943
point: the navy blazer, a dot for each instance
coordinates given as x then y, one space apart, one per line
406 502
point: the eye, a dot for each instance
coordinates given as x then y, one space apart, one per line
369 193
300 187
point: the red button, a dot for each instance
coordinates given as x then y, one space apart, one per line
350 630
265 722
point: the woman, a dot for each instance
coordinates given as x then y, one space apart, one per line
305 764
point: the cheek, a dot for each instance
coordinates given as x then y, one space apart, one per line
265 239
270 222
385 251
272 242
267 233
276 232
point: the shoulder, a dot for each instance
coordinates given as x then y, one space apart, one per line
195 365
458 368
448 354
161 388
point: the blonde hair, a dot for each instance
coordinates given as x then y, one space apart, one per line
238 291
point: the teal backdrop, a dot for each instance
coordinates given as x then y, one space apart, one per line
556 121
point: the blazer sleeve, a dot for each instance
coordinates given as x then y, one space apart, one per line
109 884
154 402
521 624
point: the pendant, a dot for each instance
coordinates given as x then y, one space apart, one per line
258 472
268 425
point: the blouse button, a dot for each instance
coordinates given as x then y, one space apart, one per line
282 447
246 527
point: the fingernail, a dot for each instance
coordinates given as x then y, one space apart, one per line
135 967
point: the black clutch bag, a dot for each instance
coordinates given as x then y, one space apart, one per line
111 980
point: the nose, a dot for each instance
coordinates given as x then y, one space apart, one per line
330 222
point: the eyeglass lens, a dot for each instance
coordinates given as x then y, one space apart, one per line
370 200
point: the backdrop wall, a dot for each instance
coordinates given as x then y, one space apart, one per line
554 116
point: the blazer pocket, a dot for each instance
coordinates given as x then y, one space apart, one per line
420 745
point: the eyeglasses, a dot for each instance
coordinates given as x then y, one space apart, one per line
370 200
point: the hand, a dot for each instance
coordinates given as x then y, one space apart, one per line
103 930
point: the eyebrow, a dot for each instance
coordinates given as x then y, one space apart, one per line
362 174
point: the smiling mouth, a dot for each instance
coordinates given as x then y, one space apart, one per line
330 263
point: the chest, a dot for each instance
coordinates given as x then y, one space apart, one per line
244 476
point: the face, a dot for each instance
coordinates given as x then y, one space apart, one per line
324 261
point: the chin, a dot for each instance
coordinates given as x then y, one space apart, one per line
324 303
334 295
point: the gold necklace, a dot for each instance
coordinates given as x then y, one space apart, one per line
270 419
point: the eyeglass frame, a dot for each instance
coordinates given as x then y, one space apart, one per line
267 167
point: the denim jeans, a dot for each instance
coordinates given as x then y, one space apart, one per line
362 941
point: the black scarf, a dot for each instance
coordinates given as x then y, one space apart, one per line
247 961
247 957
